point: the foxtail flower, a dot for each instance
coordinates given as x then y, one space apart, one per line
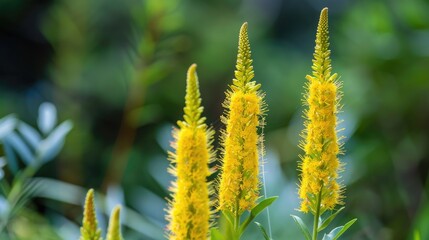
319 189
89 229
239 182
189 211
114 229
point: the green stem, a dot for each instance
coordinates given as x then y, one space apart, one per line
317 215
237 225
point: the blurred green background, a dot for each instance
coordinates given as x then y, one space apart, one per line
117 69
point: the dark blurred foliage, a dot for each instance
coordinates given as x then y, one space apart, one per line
117 70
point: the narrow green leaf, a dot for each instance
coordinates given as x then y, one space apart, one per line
16 142
338 231
302 226
215 234
52 145
7 124
264 233
228 216
47 117
328 220
256 210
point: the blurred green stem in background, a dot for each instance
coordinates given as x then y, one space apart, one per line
146 70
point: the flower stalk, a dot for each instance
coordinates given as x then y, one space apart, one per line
320 164
319 189
189 211
239 179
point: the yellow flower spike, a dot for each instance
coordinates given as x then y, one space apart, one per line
89 229
189 211
239 182
319 189
114 229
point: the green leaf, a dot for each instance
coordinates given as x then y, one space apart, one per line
7 124
215 234
303 227
229 217
256 210
15 141
47 117
30 134
52 145
328 220
266 237
338 231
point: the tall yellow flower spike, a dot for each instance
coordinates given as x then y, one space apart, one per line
189 211
89 229
319 189
239 182
114 229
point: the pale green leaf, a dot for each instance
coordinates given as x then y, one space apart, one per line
302 226
323 224
338 231
264 232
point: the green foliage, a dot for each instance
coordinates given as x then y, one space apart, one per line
323 223
334 234
215 234
263 231
338 231
261 206
233 228
302 226
34 147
